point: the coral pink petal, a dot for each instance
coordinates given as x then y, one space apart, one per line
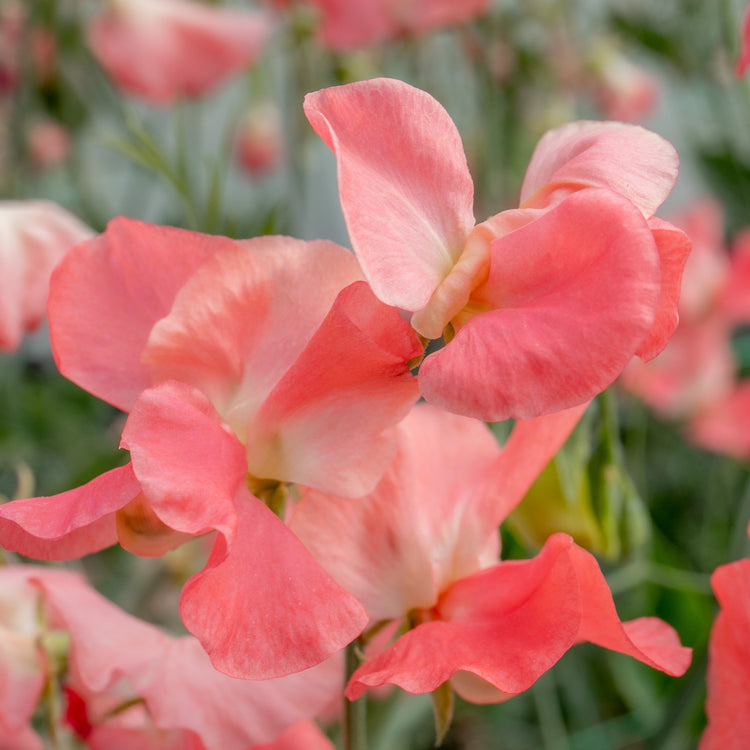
569 299
106 296
723 425
72 524
531 446
647 639
396 548
323 423
161 50
728 702
507 625
673 246
405 188
188 463
263 607
34 236
24 739
628 159
242 319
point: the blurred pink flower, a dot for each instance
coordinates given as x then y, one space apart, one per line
245 365
743 60
423 548
728 701
259 140
541 307
162 50
34 236
350 24
48 143
128 684
625 91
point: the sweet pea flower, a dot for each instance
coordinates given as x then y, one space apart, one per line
728 701
127 682
743 60
352 24
245 365
541 307
34 236
422 550
161 50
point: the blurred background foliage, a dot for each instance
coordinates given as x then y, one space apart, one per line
659 513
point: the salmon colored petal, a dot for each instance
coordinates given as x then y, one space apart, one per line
734 296
723 425
263 607
531 446
163 49
634 162
34 236
673 246
743 60
106 296
323 424
72 524
728 701
398 547
187 461
507 624
404 184
225 330
24 739
647 639
569 299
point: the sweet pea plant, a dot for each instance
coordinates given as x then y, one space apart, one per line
314 484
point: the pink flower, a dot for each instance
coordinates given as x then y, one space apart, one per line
350 24
259 144
244 364
34 236
728 702
114 660
542 307
48 143
162 50
743 61
422 549
625 91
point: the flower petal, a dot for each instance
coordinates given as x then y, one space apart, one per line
405 188
263 607
72 524
507 624
106 296
570 297
634 162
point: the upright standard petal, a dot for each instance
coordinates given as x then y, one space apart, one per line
405 187
569 299
107 295
634 162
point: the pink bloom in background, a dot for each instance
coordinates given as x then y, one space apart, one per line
350 24
48 143
259 141
34 236
624 91
243 364
728 701
423 548
114 659
743 60
541 307
162 50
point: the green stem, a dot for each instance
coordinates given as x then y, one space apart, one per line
354 726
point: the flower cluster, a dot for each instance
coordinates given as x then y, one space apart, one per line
271 390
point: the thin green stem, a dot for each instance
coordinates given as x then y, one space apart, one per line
354 727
